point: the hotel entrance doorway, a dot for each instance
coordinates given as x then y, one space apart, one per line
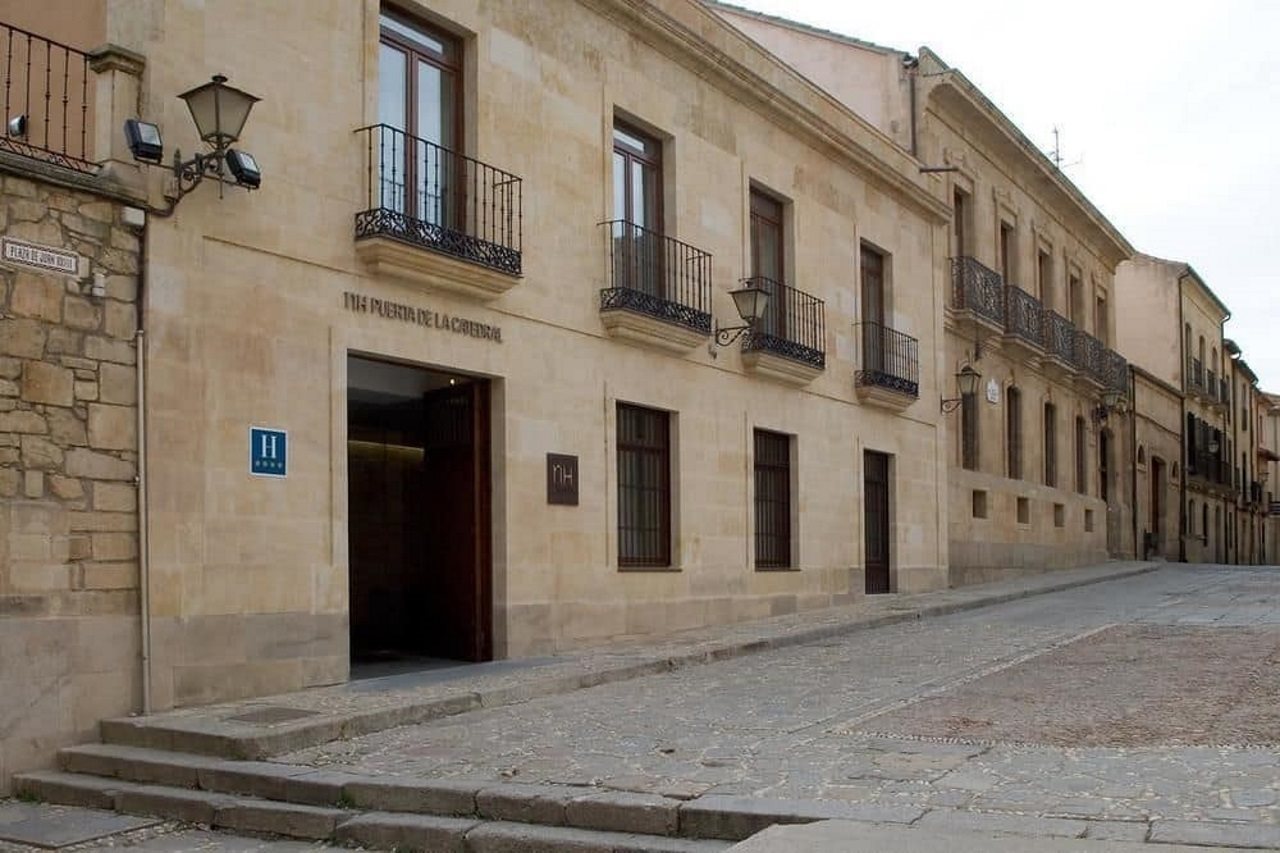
418 514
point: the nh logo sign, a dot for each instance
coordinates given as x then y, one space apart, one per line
268 452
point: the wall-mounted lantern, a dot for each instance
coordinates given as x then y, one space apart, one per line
752 302
967 380
219 112
1112 401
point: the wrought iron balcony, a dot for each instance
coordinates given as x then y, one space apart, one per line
1060 337
1087 354
46 88
1195 373
1023 316
793 326
890 360
426 195
977 289
1115 371
658 276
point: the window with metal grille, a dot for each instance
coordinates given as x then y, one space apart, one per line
1013 416
773 499
969 431
1050 445
644 487
1082 472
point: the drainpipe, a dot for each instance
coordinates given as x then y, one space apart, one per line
144 544
912 65
1133 463
1182 423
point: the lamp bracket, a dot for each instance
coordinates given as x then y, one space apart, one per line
726 335
950 404
189 174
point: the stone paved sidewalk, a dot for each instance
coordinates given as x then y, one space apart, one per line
259 728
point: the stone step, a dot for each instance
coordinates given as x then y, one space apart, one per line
369 829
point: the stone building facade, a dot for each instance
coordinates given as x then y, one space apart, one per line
69 596
1035 459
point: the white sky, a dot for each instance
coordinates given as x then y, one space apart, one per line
1169 111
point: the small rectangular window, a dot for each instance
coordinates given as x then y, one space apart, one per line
1024 511
979 503
1059 515
644 487
773 499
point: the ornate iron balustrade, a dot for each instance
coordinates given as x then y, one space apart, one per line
1211 384
658 276
1088 354
1196 373
1023 315
441 200
890 359
46 87
1115 371
977 288
1059 337
794 324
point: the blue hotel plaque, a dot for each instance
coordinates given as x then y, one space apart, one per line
268 452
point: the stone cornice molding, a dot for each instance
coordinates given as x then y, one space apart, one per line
953 92
700 40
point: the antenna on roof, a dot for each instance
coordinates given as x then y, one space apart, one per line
1056 154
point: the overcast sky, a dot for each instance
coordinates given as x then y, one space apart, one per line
1169 115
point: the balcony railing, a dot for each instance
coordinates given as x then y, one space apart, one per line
1211 385
1115 371
423 194
793 326
1088 354
1059 337
977 288
1023 316
658 276
890 359
46 89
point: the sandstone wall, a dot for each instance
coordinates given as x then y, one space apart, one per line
69 630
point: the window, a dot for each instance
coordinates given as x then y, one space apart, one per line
1050 445
419 98
1008 250
969 431
637 211
1044 278
1082 472
1075 301
1024 511
773 499
644 486
768 258
1100 318
1013 428
979 503
960 219
874 341
1104 465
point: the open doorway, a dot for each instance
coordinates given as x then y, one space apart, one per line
418 515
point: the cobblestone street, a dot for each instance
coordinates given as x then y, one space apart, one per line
1116 704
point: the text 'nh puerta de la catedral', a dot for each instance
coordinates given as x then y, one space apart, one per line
425 317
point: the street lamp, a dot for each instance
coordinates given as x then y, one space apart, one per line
1112 401
752 302
219 112
967 380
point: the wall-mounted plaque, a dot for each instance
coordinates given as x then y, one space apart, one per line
562 479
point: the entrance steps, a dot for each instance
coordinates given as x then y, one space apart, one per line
396 813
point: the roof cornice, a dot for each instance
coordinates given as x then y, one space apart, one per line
950 83
695 36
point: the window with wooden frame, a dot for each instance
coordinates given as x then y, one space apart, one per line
1075 301
768 258
1050 445
637 210
1044 279
1082 471
1100 319
1013 430
1008 252
420 102
969 432
644 487
773 499
960 221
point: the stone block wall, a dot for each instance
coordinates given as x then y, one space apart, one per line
69 628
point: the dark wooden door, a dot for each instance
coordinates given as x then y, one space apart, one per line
1157 507
876 524
457 591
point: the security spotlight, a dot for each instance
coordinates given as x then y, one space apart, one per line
244 168
144 140
18 126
